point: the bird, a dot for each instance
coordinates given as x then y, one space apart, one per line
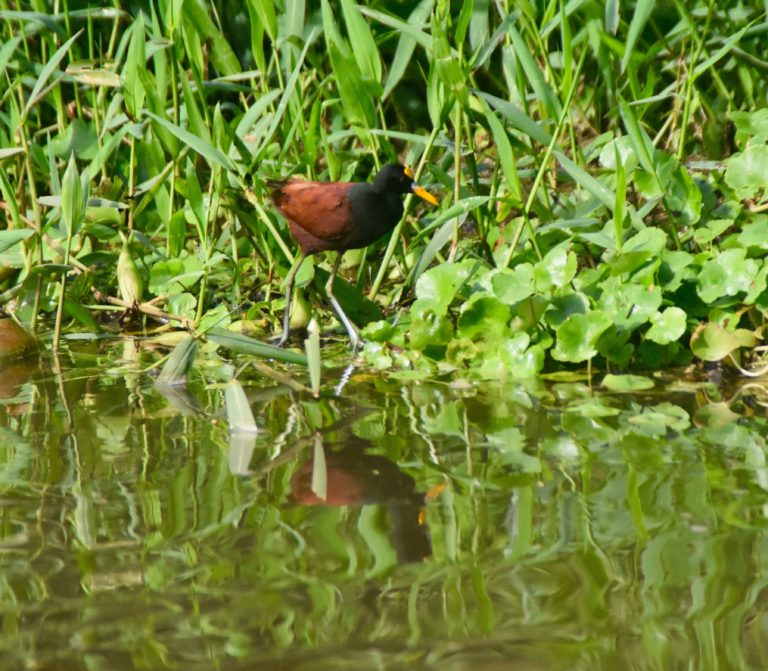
338 216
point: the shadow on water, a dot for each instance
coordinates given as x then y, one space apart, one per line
396 524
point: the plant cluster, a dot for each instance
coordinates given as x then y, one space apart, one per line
602 171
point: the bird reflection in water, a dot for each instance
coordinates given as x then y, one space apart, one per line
355 478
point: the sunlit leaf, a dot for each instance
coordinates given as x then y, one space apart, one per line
711 342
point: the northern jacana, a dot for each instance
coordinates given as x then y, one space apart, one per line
339 216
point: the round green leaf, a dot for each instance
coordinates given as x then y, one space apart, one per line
711 342
729 273
513 285
746 171
556 269
437 287
577 336
667 326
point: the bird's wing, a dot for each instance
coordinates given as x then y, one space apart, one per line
322 209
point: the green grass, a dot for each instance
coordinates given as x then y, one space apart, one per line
601 168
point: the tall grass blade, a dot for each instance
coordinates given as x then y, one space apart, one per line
534 75
506 154
643 10
422 38
641 143
6 51
619 203
361 39
519 119
289 93
47 73
729 44
585 180
133 88
213 155
406 45
245 345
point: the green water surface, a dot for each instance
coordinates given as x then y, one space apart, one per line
390 524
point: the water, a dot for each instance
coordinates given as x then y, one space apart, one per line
392 524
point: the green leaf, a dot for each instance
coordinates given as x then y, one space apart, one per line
511 286
6 51
711 342
751 127
265 11
361 39
74 196
13 216
211 154
585 180
483 317
682 195
517 118
667 326
534 75
628 383
746 172
577 336
657 420
47 72
436 288
197 14
556 269
174 276
133 88
512 358
562 307
406 45
245 345
728 274
675 267
643 10
630 305
505 152
447 67
429 329
636 251
641 143
356 91
412 30
755 234
729 44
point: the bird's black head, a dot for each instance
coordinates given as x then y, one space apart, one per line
396 178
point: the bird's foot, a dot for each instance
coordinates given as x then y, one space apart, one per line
279 341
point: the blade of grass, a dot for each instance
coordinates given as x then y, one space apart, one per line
245 345
643 10
46 74
213 155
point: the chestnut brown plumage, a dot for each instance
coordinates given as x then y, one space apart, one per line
339 216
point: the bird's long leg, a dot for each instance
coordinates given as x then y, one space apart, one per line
354 335
288 296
